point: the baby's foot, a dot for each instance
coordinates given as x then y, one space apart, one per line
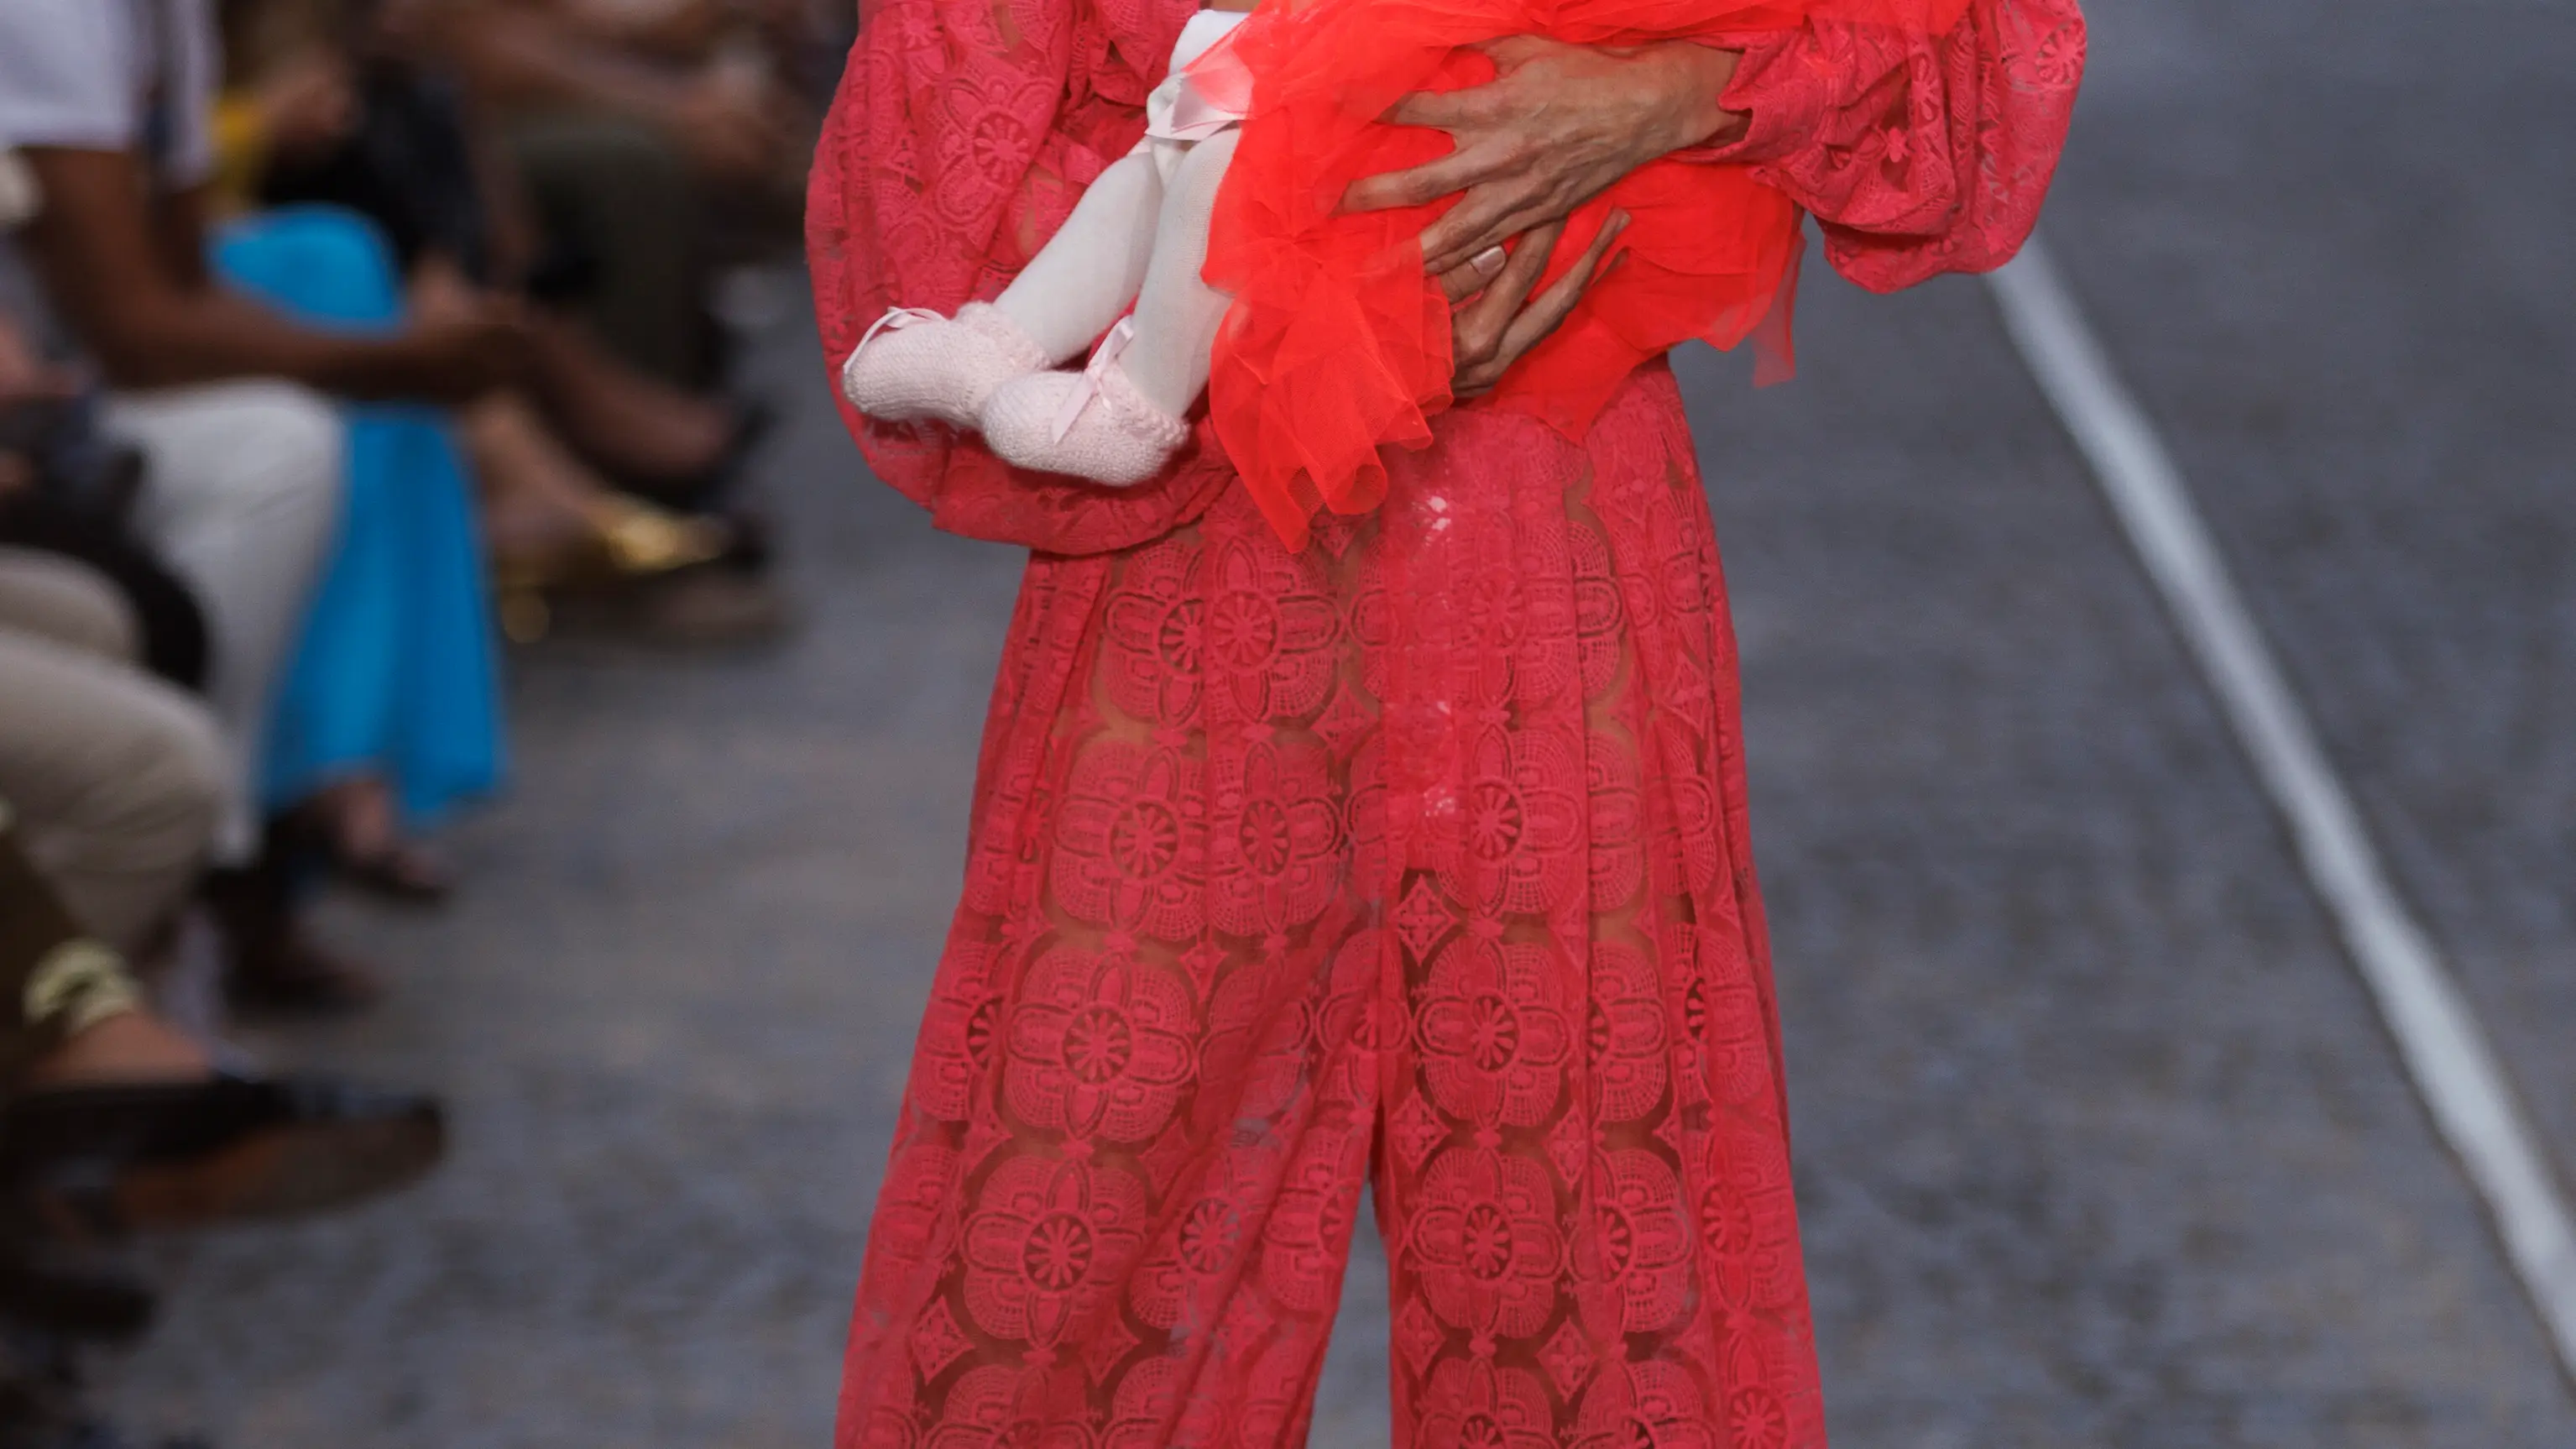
1093 425
915 364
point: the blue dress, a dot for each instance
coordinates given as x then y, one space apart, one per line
398 671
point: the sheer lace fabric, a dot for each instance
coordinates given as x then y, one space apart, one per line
1916 158
1418 853
1337 345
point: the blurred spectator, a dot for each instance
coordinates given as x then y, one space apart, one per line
122 777
48 428
74 1021
109 105
321 106
390 714
325 105
119 777
624 115
112 786
112 1121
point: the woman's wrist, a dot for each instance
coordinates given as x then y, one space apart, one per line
1694 77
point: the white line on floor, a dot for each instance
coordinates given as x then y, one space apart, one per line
2445 1050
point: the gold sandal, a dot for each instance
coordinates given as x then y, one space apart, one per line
628 541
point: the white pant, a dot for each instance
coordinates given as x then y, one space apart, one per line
243 501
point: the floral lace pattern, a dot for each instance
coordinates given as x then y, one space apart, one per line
1416 857
1917 158
1245 932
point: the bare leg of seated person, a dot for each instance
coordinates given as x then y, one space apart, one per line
88 1022
117 1121
623 419
606 413
570 549
551 517
355 825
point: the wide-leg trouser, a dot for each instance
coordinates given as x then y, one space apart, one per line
1419 854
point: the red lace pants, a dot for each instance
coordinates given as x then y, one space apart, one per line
1420 853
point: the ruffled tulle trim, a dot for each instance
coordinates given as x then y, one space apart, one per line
1338 344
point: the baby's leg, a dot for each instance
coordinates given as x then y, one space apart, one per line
1177 313
1090 270
916 366
1121 424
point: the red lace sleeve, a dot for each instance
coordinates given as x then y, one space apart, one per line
1916 156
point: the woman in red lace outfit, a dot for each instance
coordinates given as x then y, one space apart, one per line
1415 857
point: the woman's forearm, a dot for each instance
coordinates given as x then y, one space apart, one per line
1690 78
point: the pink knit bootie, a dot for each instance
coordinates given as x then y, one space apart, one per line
1090 424
915 364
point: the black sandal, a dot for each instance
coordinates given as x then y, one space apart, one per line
158 1156
397 871
72 1290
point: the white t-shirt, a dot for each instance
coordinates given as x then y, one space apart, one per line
90 75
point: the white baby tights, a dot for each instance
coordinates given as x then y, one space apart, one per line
1137 236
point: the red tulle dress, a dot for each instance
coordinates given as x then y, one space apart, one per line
1338 343
1417 857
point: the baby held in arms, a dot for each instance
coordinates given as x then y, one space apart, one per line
1314 329
1138 235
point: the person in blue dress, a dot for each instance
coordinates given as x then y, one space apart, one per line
390 715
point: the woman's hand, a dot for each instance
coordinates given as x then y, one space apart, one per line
1559 125
1490 333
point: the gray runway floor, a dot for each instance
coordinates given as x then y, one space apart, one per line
2099 1141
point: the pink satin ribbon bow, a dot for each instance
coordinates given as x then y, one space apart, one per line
1194 118
895 320
1211 92
1101 359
